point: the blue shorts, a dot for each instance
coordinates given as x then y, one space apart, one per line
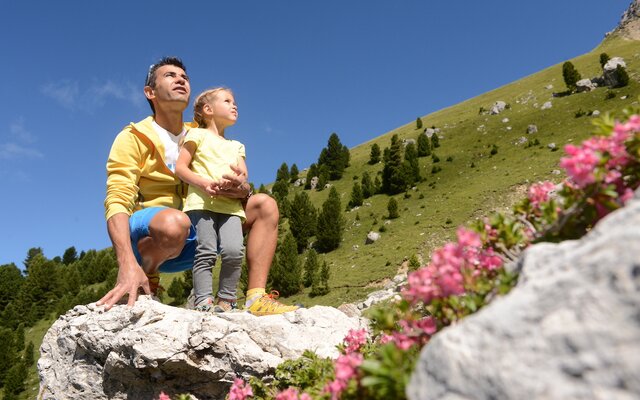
139 228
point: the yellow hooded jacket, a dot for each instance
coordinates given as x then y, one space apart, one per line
137 175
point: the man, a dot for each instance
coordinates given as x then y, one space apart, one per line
148 231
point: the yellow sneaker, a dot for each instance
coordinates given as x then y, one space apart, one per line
268 305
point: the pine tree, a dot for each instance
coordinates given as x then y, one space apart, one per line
392 208
357 198
623 77
325 274
604 58
280 189
320 283
412 165
28 355
312 172
262 188
283 173
8 351
176 290
330 223
418 123
310 267
302 220
435 141
286 273
70 256
374 156
377 185
368 189
294 173
424 148
323 177
11 280
14 380
18 338
335 157
32 253
570 75
394 179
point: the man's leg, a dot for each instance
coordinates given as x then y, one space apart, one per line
262 226
168 230
262 237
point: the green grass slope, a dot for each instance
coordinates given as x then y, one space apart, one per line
473 183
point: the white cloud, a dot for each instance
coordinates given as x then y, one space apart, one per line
12 150
20 143
64 92
70 95
20 133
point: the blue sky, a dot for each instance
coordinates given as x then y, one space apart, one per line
73 73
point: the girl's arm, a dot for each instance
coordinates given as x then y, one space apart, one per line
188 176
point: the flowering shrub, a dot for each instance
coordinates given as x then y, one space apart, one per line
602 174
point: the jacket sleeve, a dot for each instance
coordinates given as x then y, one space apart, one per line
123 174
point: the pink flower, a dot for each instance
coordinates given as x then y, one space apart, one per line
346 366
580 165
355 339
239 391
468 238
539 193
292 394
164 396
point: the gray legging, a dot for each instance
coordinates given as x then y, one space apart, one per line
215 232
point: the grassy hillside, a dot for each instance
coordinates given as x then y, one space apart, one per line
473 182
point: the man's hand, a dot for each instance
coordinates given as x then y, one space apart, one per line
130 278
238 188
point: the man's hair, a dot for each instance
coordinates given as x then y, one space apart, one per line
150 80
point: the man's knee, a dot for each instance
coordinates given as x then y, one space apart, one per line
170 226
262 206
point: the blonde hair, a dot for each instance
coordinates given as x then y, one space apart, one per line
205 98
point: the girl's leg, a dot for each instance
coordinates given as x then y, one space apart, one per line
206 254
232 252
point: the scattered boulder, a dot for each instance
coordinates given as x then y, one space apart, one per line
314 182
300 182
532 129
498 107
372 237
552 146
585 85
430 132
505 120
549 87
610 73
546 105
406 142
137 352
568 330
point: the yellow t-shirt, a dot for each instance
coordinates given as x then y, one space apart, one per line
212 158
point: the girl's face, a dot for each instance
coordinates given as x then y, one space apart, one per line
224 108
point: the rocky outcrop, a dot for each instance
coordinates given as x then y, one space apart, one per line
570 329
629 26
137 352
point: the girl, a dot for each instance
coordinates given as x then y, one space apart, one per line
206 155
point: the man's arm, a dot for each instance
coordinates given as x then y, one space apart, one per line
130 275
123 174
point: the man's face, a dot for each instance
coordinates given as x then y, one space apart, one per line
171 88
